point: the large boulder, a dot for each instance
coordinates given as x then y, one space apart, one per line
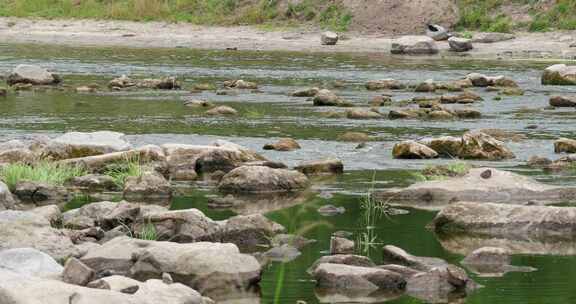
346 277
262 179
155 291
478 145
410 149
6 199
508 221
80 144
478 185
221 156
559 74
182 226
26 229
207 267
30 262
20 289
344 259
32 74
414 45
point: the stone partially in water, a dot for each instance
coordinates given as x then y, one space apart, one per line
559 74
410 149
326 98
384 84
331 210
283 144
340 245
222 111
262 179
508 221
562 101
347 277
565 145
31 74
478 145
6 199
149 186
502 187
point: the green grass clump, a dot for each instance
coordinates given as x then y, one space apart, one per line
48 172
441 172
148 233
120 172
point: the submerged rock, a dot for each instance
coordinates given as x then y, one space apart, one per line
501 187
262 179
414 45
358 137
559 74
241 84
31 74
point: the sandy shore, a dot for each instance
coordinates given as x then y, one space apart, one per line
553 46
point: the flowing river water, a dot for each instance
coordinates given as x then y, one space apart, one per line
156 117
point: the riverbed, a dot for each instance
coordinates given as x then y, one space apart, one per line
156 117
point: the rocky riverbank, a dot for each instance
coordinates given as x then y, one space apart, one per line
532 46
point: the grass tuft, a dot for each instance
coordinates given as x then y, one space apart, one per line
121 171
44 171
